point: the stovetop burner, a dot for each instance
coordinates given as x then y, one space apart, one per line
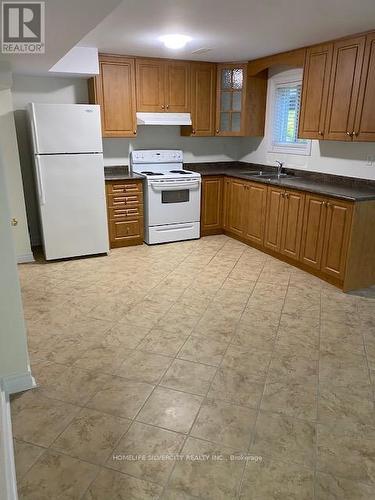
147 172
181 172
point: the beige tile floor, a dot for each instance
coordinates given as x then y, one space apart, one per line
198 348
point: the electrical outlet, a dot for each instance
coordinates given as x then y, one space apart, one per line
370 160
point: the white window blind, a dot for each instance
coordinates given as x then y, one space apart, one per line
286 100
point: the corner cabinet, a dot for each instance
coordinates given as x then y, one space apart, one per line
240 101
202 98
114 90
163 86
211 205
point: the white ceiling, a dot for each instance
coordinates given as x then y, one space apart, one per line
233 29
67 21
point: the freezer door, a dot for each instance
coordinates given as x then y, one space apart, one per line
71 195
66 128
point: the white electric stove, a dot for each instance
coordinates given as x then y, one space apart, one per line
172 196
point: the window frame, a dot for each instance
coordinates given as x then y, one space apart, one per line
281 80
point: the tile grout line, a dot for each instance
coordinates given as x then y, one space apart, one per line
209 385
253 430
316 448
96 475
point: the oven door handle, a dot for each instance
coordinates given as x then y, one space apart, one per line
176 186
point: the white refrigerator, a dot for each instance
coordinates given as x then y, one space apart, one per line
69 174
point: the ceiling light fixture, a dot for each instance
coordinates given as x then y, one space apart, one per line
175 41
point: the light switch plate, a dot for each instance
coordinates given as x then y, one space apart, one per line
370 160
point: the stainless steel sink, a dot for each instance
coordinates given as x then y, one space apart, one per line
266 175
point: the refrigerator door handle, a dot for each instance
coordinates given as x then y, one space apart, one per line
42 198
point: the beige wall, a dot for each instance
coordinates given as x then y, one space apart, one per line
13 178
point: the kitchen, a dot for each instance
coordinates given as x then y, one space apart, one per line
204 271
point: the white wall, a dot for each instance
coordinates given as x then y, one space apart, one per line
39 89
333 157
13 345
116 151
196 149
13 178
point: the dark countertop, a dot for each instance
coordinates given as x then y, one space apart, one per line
119 173
346 188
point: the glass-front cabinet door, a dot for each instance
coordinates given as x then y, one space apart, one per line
231 83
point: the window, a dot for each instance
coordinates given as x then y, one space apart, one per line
284 114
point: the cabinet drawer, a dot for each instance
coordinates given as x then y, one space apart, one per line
121 213
124 187
124 200
125 230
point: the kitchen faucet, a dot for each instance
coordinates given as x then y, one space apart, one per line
280 165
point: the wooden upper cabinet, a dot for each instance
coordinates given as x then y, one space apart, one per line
274 218
316 73
344 88
163 85
240 101
255 212
364 128
294 202
235 204
212 205
313 230
202 105
177 87
114 90
336 237
150 74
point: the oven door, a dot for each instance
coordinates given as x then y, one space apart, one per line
173 201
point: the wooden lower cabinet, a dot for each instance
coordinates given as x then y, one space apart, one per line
313 231
336 238
212 206
255 212
330 237
294 205
125 212
235 206
274 218
326 231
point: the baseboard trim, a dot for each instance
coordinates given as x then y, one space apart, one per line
26 257
18 383
7 468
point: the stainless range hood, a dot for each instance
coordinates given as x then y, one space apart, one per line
163 119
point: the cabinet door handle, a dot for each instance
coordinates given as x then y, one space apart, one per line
287 196
193 131
167 106
162 106
134 132
217 130
321 132
355 134
348 133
